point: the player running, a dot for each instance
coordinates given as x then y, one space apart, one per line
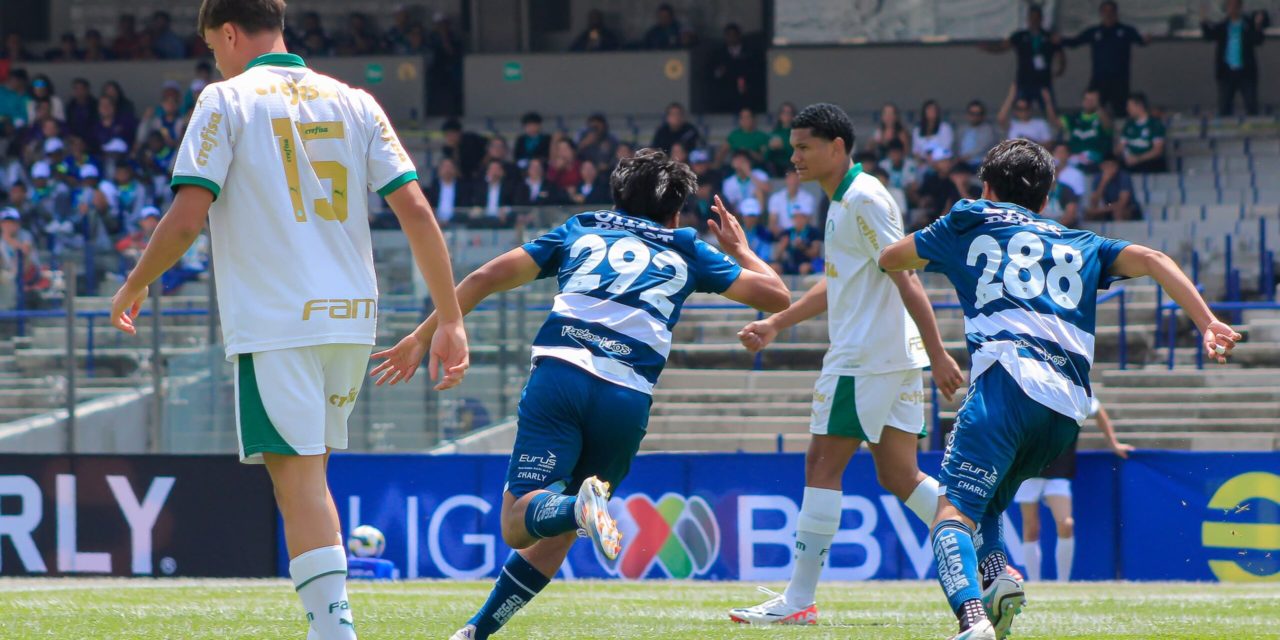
623 276
870 389
1028 287
279 158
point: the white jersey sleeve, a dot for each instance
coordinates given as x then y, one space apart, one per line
205 155
879 223
389 167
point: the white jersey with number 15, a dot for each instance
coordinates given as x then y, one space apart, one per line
289 155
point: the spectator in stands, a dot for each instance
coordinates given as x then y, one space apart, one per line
593 189
81 109
746 137
902 170
784 203
448 193
1141 143
415 42
128 194
203 77
311 25
666 34
976 136
18 250
933 133
165 118
66 51
899 196
465 147
760 238
315 45
625 150
1111 44
937 191
51 199
679 153
595 143
146 48
94 48
537 190
1235 59
124 106
745 182
359 39
777 157
20 199
1088 132
675 128
534 142
563 170
14 51
496 194
92 200
42 89
708 174
737 73
596 37
156 158
1023 123
1112 196
1063 205
889 128
800 247
166 44
396 39
111 124
131 246
1068 173
126 44
14 97
1039 59
444 71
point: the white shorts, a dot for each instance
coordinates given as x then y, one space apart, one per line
1034 489
297 401
862 406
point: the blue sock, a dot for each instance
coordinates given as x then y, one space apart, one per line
518 583
957 568
550 514
992 558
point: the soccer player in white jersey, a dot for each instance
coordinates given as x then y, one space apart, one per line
279 158
870 389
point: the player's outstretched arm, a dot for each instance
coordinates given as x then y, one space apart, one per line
758 286
507 271
946 372
448 345
1134 261
179 227
902 255
1104 425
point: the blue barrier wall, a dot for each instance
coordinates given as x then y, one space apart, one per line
1156 516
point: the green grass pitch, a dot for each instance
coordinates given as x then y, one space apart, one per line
224 609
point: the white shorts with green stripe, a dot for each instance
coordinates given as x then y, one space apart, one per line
862 406
297 401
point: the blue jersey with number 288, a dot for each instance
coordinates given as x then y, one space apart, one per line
1029 290
622 283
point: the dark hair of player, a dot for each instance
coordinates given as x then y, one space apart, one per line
252 16
1140 98
1019 171
652 185
827 121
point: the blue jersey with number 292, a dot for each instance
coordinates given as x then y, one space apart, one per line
1029 290
622 283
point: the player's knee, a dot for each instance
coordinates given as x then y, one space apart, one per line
1067 527
897 480
1031 531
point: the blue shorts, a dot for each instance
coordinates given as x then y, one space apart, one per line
1001 438
572 425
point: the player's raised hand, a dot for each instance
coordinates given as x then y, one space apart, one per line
399 362
757 335
125 306
733 240
946 374
1219 340
449 351
1121 449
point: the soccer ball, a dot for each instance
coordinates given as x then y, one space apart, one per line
366 542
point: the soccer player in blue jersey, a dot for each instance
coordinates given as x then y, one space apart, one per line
1028 287
623 277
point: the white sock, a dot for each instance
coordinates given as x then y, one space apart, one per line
1031 554
320 577
819 520
1065 554
923 500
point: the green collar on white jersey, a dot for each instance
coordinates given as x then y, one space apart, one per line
847 182
276 60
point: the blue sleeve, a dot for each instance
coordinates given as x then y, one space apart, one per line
1108 249
713 272
548 250
936 243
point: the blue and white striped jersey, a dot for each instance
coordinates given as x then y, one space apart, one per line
1028 287
622 282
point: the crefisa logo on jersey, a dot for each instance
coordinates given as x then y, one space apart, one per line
208 138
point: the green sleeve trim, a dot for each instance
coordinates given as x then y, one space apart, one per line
405 178
212 186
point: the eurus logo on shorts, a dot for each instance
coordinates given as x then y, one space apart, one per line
343 400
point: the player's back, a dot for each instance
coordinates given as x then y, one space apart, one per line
1028 287
290 155
623 281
